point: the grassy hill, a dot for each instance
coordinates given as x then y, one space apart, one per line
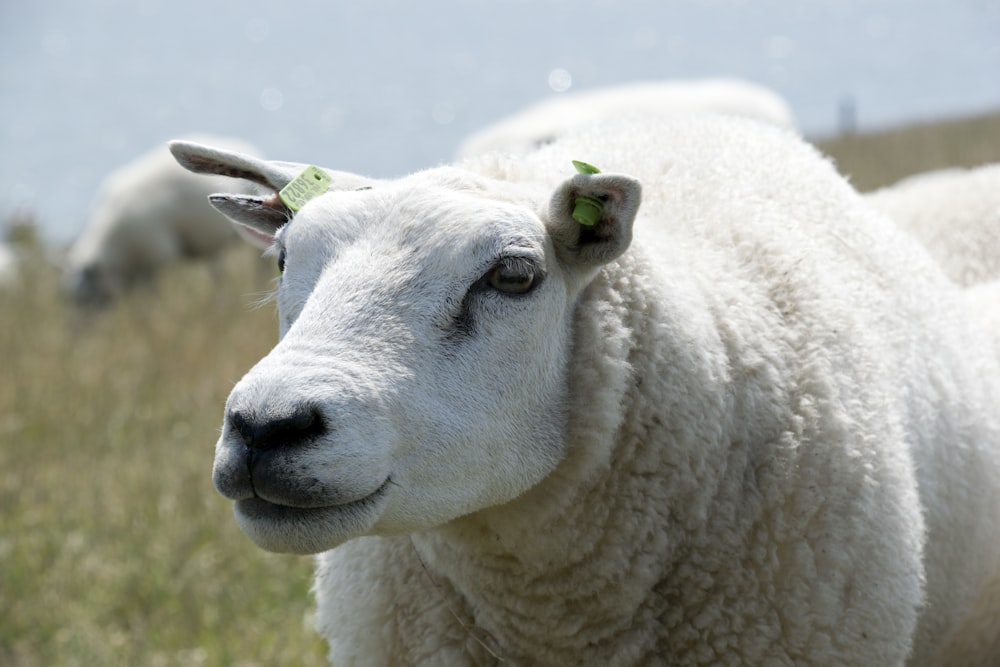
880 158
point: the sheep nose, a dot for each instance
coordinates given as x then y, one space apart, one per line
301 423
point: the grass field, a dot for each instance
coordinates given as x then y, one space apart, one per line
114 547
876 159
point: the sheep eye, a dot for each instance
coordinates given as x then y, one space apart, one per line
281 261
512 276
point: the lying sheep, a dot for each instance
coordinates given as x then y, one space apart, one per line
763 432
955 213
544 121
148 214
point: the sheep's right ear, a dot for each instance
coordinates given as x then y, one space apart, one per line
591 217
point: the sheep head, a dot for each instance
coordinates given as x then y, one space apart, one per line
425 334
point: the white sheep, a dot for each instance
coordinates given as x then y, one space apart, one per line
544 121
765 432
9 267
956 213
148 214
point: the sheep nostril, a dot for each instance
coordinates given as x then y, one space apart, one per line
266 431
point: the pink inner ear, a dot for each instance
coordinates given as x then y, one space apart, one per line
254 235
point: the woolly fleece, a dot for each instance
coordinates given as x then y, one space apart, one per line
955 213
543 122
777 435
781 426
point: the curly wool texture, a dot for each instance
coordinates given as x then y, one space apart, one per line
955 213
782 444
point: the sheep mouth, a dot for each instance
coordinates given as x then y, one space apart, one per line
290 529
272 509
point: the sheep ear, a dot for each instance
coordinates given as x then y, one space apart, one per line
202 159
591 217
257 219
273 175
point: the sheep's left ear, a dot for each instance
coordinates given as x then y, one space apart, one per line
257 219
601 229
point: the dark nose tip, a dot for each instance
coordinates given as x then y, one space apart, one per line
266 431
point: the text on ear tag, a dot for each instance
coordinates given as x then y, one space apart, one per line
312 182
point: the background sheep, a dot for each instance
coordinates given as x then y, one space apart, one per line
764 433
544 121
955 213
8 266
148 214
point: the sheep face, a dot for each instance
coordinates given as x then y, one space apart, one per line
90 287
425 329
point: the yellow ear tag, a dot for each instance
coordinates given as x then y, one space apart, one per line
311 183
586 209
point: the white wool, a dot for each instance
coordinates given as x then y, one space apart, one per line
956 213
148 214
765 433
9 269
545 121
984 302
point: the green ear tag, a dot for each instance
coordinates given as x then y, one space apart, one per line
312 182
585 168
586 209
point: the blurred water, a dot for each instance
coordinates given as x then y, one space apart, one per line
386 87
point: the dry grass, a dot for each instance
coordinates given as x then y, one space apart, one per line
873 160
115 549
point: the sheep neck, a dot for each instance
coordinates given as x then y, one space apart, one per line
577 556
